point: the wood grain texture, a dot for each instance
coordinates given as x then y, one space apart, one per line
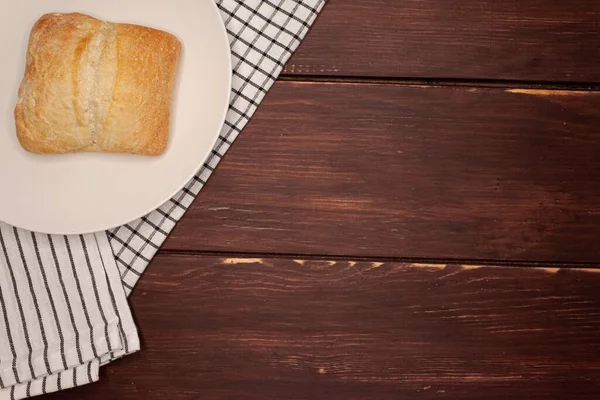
537 40
218 328
417 172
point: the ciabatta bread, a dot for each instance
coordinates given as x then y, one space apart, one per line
94 86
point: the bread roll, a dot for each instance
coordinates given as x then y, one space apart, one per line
94 86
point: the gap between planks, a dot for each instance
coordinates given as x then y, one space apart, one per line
432 263
527 87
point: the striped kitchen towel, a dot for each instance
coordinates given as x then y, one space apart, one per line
63 311
63 305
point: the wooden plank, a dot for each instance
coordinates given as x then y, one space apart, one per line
419 172
234 328
537 40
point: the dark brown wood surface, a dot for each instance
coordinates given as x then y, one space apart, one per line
333 254
418 172
276 328
535 40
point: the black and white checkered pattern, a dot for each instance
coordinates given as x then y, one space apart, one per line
263 35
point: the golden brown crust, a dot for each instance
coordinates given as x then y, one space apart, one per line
146 63
45 115
96 86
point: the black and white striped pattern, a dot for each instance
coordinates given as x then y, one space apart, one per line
63 306
78 376
63 311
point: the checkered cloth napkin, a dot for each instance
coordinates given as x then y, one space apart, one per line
63 299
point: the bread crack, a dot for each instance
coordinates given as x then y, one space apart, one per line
96 77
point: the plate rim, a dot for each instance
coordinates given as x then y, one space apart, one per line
202 160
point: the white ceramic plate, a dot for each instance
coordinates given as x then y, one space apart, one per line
83 193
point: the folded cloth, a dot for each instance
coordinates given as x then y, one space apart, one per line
63 311
63 306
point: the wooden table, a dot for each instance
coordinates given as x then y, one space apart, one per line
413 213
